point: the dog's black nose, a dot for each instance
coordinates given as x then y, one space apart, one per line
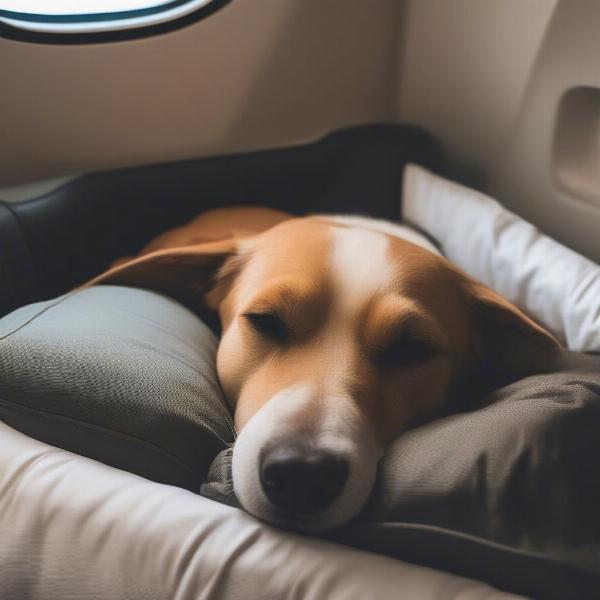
302 480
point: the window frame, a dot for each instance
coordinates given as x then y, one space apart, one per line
12 32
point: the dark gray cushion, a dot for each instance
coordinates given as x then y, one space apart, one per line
121 375
523 470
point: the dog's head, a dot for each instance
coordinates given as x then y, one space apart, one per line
336 339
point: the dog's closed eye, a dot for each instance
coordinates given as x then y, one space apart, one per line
406 351
268 324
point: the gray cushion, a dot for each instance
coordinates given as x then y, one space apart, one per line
523 470
121 375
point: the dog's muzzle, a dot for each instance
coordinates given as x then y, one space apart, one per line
305 473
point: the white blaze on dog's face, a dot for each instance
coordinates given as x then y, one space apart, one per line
335 339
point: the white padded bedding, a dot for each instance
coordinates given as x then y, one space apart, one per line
74 528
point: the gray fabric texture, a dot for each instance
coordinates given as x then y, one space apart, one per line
523 471
121 375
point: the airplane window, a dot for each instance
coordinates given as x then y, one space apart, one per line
82 19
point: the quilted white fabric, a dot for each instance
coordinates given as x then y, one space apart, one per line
558 287
73 528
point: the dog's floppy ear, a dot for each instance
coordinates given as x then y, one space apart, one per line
186 273
508 344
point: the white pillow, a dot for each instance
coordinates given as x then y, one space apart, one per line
558 287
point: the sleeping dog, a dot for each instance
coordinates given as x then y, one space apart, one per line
338 334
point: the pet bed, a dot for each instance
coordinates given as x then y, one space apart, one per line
75 371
